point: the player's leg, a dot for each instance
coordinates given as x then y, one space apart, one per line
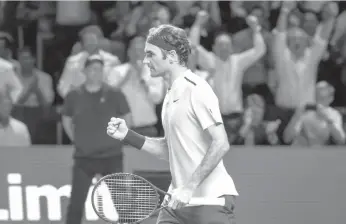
81 180
209 214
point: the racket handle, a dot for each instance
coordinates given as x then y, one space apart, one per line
207 201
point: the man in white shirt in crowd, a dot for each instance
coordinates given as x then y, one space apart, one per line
142 91
72 76
317 124
36 97
227 68
195 138
12 132
296 59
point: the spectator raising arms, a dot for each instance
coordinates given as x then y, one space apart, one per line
226 68
297 60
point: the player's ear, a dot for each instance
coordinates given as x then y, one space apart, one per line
172 55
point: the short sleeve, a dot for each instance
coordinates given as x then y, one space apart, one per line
68 106
205 105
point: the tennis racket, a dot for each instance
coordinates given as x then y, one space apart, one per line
128 198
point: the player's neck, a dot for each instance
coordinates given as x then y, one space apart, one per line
175 73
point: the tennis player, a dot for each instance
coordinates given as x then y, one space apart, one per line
195 139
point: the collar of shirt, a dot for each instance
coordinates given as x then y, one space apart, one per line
178 85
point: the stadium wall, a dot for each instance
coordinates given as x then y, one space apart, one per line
276 184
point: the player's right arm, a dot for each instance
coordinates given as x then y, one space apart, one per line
118 129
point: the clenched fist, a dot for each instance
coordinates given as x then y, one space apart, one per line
117 128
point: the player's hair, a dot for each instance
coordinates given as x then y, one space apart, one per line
168 37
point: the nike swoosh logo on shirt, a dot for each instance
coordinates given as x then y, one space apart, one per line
175 100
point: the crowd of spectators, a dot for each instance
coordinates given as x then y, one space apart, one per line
278 68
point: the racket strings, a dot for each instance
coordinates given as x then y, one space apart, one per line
132 198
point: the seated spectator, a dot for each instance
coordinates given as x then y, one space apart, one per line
72 76
317 124
8 76
256 131
142 91
37 95
12 131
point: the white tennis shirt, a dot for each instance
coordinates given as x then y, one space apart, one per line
189 108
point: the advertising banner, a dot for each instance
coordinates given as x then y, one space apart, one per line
276 185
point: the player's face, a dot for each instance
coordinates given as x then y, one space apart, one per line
94 73
155 60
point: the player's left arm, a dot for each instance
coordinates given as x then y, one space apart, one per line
206 108
218 148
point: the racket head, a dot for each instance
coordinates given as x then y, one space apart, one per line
124 198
